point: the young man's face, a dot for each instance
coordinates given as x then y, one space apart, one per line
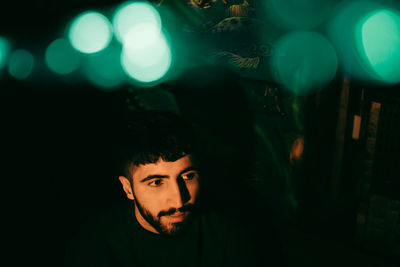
164 194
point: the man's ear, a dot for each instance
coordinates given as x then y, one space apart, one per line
126 185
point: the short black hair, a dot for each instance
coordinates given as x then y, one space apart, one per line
151 135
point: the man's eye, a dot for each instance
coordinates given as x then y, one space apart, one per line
190 176
156 183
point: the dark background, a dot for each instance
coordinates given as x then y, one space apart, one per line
60 141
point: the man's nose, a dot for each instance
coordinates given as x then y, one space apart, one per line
178 194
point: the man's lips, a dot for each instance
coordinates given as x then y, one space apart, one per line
176 212
178 215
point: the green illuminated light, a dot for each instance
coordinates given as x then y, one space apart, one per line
131 14
20 64
4 51
104 69
305 62
146 63
380 43
366 34
90 32
141 36
61 57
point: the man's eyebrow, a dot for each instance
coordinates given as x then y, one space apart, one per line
160 176
188 169
154 176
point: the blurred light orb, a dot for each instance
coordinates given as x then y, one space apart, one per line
305 62
365 34
90 32
146 57
142 35
61 58
4 51
104 69
20 64
131 14
378 43
145 45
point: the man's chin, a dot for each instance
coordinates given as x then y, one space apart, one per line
173 228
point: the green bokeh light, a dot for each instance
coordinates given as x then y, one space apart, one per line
146 57
305 62
20 64
4 51
379 44
297 14
104 69
61 57
131 14
363 55
90 32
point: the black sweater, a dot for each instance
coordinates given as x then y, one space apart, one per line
117 239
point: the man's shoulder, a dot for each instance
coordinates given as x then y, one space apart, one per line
220 224
105 221
91 243
227 240
216 219
101 224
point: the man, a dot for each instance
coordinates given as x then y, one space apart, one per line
164 223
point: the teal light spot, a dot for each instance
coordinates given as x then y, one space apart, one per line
61 58
90 32
4 51
380 44
146 55
305 62
364 35
104 69
131 14
20 64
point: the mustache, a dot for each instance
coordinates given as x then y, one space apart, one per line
187 207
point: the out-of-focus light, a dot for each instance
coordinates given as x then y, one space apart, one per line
305 62
141 36
104 69
299 14
364 34
61 57
4 51
379 44
90 32
146 57
20 64
131 14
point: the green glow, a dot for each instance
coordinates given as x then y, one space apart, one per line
380 36
361 33
61 57
104 69
20 64
90 32
4 51
131 14
146 56
298 14
305 62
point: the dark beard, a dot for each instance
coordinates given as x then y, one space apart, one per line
155 222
